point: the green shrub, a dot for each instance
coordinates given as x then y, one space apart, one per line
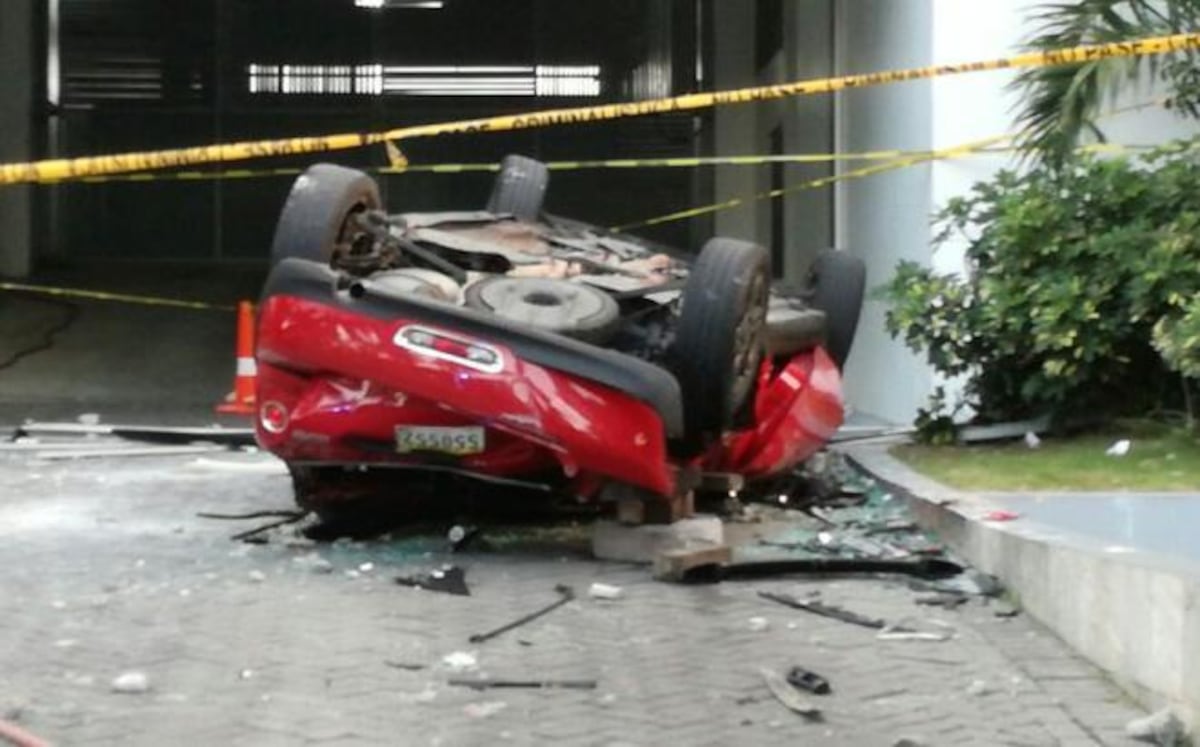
1177 339
1069 271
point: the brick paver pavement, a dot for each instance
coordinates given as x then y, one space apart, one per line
104 568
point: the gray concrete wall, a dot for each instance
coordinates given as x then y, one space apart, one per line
808 128
884 218
733 60
16 132
807 125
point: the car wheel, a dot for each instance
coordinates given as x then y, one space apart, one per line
316 216
719 340
559 306
837 281
520 188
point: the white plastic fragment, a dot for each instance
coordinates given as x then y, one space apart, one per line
460 661
1120 448
313 562
917 629
758 624
1032 440
257 576
604 591
366 567
1162 727
131 683
978 688
483 710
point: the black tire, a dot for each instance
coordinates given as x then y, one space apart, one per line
837 281
520 188
560 306
315 217
793 327
719 341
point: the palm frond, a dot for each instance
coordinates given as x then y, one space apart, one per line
1060 103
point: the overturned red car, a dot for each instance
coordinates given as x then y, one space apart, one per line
507 346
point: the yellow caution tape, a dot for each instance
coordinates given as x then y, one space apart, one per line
93 295
957 151
75 168
399 166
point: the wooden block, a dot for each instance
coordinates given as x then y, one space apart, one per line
671 565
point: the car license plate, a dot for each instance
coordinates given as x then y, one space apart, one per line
458 440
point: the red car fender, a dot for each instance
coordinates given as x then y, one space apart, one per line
588 427
797 410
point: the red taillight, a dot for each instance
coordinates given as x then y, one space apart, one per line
273 416
437 344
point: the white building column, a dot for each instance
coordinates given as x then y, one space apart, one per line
885 218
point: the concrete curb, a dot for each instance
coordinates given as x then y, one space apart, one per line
1134 614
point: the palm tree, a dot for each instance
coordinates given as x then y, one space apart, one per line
1059 104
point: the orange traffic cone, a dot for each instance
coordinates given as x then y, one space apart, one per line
241 400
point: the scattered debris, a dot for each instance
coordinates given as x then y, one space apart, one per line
566 594
246 674
915 629
366 567
978 688
947 600
257 576
1162 728
91 452
787 694
971 582
933 568
825 610
460 661
890 526
449 579
258 466
1003 431
253 535
604 591
758 624
147 434
483 710
131 683
427 695
805 679
1001 514
1120 448
250 535
313 562
461 538
485 684
1006 610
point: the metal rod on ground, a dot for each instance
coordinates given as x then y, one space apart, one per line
567 594
544 684
297 517
252 515
824 610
